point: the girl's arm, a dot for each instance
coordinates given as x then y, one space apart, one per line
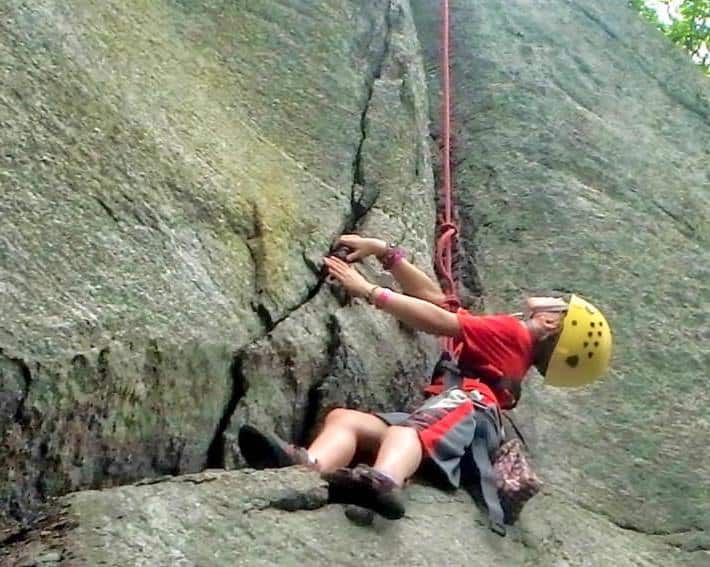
418 313
416 283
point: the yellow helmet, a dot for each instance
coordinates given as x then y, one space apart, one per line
583 348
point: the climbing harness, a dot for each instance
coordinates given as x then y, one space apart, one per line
506 479
447 374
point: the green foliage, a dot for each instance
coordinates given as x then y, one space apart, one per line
646 12
692 29
689 26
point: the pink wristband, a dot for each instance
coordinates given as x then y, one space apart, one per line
382 297
392 256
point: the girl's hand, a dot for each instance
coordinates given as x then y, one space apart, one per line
347 276
362 247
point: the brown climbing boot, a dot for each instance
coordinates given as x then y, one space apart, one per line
268 451
368 488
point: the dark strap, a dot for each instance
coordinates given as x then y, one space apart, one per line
485 441
517 431
505 386
447 371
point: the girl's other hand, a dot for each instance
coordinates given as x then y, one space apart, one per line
362 247
347 276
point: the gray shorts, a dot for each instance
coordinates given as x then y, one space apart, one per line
446 425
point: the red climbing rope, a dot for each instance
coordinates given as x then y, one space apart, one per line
447 229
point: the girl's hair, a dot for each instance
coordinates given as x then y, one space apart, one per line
542 352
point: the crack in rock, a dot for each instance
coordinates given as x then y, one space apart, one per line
315 392
215 451
627 526
23 372
358 209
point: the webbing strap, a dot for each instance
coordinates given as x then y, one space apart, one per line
484 441
448 373
517 431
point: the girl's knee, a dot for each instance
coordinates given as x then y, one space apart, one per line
368 428
342 416
405 435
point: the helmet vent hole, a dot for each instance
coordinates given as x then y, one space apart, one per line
572 361
590 354
599 333
574 323
586 344
590 334
591 324
596 343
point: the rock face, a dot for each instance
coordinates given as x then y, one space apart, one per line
582 166
282 517
171 174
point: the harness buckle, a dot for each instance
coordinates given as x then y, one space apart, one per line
476 395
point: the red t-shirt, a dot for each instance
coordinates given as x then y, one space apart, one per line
490 347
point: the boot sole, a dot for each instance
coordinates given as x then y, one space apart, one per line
347 487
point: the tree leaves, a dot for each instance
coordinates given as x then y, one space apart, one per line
687 25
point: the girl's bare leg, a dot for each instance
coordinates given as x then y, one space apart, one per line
400 453
346 431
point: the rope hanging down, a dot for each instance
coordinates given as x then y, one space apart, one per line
447 229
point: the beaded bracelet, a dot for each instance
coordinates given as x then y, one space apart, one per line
392 256
370 297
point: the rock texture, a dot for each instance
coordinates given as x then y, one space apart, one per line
171 173
583 144
282 518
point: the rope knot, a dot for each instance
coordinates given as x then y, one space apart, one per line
448 228
452 302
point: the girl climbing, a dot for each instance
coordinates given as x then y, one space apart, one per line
569 341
